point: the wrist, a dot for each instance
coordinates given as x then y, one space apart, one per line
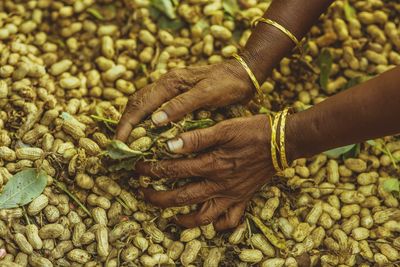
238 70
292 145
301 137
260 69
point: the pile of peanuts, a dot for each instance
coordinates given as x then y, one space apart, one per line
65 60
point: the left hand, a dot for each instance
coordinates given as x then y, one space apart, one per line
235 165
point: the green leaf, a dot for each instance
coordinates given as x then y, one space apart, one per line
119 150
337 152
356 80
165 6
325 65
22 188
392 185
127 164
264 110
154 13
197 124
372 143
352 153
165 23
349 11
230 6
95 13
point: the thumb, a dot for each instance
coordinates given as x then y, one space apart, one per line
196 140
179 106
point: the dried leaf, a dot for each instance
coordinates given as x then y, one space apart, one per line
392 185
166 7
95 13
337 152
230 6
325 65
349 11
119 150
22 188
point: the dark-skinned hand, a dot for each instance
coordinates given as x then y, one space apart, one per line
233 163
237 161
182 91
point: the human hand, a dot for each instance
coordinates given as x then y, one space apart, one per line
235 162
182 91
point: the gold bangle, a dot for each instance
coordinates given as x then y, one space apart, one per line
282 149
282 29
250 73
274 144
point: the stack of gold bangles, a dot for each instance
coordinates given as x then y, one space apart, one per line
280 118
278 125
247 68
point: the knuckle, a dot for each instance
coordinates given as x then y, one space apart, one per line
135 101
223 126
204 219
208 90
195 140
176 104
222 162
183 79
176 80
164 169
232 223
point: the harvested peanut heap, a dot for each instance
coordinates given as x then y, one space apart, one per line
67 68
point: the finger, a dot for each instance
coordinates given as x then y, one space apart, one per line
181 105
189 194
197 140
199 166
148 99
230 219
209 212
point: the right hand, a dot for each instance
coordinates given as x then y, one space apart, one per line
233 160
182 91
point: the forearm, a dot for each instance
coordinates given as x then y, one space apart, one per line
267 45
367 111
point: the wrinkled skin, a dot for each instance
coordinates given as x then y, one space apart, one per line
237 161
182 91
234 166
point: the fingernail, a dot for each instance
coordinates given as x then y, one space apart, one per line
160 117
3 253
175 144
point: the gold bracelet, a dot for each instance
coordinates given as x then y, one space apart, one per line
250 73
274 146
282 29
282 149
